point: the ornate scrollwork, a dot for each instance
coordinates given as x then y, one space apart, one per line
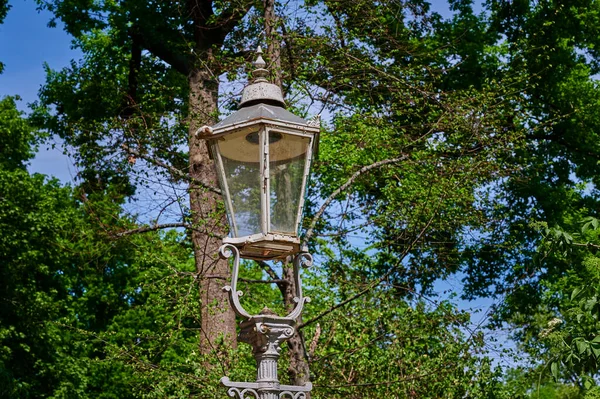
226 251
292 395
303 259
265 332
241 390
242 393
295 392
277 331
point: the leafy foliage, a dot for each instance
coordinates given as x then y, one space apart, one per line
494 118
565 331
385 346
16 136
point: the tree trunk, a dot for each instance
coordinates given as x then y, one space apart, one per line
273 45
208 219
298 369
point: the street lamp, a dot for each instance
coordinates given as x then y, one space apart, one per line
263 154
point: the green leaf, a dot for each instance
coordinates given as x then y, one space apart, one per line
554 370
590 303
595 348
576 292
582 346
590 223
588 382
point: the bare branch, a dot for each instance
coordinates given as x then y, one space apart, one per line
145 229
267 268
376 282
229 18
170 168
281 283
586 244
343 303
315 340
342 188
246 280
154 41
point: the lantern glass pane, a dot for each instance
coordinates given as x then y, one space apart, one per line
240 154
287 161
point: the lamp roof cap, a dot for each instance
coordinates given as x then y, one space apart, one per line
260 90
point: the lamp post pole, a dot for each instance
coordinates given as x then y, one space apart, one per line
263 154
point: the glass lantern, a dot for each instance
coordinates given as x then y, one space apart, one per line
263 154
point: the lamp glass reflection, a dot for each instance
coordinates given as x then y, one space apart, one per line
241 167
287 162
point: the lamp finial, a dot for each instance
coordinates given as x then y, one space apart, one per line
259 89
260 73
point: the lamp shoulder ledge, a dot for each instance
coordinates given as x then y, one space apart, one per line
262 112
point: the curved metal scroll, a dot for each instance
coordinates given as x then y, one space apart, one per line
241 390
302 259
242 393
295 392
226 251
292 395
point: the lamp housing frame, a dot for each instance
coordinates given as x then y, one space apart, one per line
264 117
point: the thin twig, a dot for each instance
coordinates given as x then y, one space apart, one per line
266 267
281 283
246 280
170 168
145 229
314 342
376 282
342 188
586 244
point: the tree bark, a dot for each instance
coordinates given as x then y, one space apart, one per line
208 219
273 42
299 369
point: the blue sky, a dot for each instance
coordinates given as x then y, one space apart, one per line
26 43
